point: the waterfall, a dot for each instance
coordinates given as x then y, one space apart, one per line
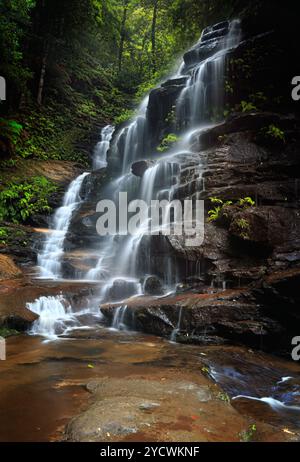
100 152
202 97
119 318
131 141
199 104
55 315
123 319
177 328
49 260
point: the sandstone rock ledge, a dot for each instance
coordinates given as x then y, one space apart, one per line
263 317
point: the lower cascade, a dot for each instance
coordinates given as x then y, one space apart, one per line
55 316
49 260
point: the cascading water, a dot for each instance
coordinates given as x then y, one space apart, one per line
177 328
132 138
55 315
58 317
130 256
202 97
100 152
49 260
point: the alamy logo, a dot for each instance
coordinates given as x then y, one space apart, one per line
296 350
2 349
2 89
296 90
138 218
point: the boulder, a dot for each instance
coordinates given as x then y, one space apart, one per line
152 286
138 168
121 289
8 269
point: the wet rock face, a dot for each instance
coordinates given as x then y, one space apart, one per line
159 113
139 168
152 286
121 289
206 319
208 45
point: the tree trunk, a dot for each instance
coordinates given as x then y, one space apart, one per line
153 34
122 35
42 78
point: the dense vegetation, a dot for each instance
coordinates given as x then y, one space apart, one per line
73 66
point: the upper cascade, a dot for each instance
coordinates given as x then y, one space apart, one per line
194 95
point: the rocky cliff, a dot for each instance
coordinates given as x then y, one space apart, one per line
251 169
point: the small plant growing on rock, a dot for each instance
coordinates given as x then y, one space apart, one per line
246 202
167 142
224 397
274 132
171 117
214 214
247 106
205 370
3 236
243 226
248 435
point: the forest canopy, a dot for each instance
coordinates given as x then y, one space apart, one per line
49 50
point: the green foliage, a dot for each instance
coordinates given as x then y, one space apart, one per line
171 117
168 142
229 88
246 202
124 116
14 24
274 132
3 235
248 435
19 201
215 213
205 370
224 397
247 106
243 226
11 130
6 332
